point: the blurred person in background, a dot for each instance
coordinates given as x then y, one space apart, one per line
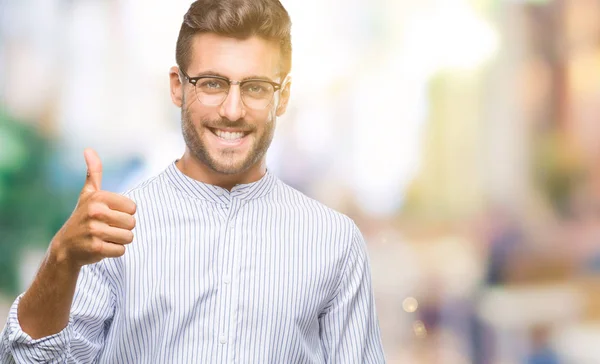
542 351
224 254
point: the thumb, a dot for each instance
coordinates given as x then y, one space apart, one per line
93 181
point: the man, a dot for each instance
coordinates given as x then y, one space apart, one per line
227 263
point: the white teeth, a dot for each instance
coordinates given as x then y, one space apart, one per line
228 135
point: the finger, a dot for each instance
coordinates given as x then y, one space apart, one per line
93 181
114 235
117 202
110 250
118 219
101 212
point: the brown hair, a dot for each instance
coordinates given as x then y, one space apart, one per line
239 19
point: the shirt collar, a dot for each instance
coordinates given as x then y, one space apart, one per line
205 191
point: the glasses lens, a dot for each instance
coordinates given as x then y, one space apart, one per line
211 91
257 94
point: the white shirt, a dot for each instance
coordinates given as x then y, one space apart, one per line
258 274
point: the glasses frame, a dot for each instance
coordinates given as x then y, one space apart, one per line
194 81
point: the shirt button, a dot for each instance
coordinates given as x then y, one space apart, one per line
222 339
226 280
231 227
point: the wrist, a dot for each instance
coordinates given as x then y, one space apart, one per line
59 256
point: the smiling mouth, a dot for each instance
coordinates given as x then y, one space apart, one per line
229 136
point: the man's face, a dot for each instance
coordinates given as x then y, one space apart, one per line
230 138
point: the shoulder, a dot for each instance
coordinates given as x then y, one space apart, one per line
151 187
310 209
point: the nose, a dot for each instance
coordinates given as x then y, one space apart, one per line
233 108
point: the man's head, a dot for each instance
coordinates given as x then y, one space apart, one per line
228 126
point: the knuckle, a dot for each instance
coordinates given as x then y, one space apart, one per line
97 247
95 211
95 228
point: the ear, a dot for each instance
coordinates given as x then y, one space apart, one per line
176 86
285 96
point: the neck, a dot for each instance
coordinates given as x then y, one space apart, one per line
195 169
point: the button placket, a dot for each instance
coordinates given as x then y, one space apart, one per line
228 246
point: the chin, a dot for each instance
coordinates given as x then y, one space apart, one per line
227 167
228 170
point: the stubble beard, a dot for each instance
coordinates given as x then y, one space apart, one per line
226 161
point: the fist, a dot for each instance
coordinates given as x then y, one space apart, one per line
101 224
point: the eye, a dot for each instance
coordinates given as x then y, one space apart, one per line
258 88
212 84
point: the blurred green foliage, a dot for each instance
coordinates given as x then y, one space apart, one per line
31 210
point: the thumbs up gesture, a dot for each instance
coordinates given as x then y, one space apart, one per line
101 224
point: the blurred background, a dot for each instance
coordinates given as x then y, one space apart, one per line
461 136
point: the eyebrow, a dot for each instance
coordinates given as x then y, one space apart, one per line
214 73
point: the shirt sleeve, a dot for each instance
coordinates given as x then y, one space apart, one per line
349 328
83 338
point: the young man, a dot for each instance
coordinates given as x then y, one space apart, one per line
227 263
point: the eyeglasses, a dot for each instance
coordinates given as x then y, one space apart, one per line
213 90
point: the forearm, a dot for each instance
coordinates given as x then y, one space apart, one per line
45 307
38 328
56 325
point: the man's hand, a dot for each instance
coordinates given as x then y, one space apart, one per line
100 226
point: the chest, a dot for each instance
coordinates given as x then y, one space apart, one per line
256 268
